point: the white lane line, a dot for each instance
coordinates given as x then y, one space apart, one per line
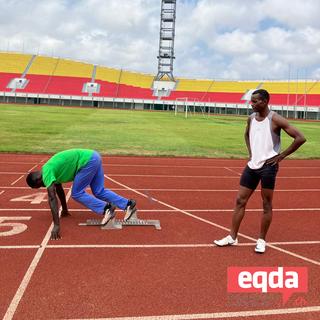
181 176
15 181
20 247
24 209
14 188
13 172
219 315
218 190
217 225
28 188
202 177
1 192
35 166
200 245
16 162
175 190
233 171
138 246
27 277
199 167
194 166
172 166
170 210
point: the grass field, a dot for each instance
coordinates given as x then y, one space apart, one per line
47 129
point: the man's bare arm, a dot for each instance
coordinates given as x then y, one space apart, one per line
54 206
62 198
246 137
298 138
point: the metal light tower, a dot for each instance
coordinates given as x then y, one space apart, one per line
166 43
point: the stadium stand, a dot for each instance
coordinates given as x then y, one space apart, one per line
14 62
56 76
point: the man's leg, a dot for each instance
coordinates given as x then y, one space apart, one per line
267 196
268 180
248 183
243 196
99 191
82 180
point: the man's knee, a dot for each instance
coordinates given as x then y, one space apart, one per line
267 205
76 195
241 201
98 193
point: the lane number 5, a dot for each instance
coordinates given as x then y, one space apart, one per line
15 227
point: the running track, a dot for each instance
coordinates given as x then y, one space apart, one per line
143 273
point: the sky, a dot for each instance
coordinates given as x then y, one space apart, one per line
215 39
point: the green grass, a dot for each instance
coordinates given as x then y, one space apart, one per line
45 129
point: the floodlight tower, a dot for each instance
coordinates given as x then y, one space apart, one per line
166 42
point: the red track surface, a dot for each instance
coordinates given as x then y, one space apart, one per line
175 273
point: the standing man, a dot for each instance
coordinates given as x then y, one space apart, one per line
84 168
262 138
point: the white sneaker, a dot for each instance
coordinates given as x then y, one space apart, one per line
227 241
260 246
108 215
130 209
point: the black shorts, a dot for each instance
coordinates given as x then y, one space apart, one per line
266 174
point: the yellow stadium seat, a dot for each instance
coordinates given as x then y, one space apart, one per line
14 62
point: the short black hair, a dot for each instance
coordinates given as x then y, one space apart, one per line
264 94
32 178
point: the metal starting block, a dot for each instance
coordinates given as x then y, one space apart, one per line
114 224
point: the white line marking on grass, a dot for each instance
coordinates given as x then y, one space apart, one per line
217 225
219 315
27 277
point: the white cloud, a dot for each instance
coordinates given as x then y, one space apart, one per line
294 14
235 43
239 39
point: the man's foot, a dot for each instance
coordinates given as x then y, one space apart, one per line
227 241
130 209
109 213
260 246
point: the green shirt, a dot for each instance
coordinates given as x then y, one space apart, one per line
64 165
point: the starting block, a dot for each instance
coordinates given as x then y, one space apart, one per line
116 224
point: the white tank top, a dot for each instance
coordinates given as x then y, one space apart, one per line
264 143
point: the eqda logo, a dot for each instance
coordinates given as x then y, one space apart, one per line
286 280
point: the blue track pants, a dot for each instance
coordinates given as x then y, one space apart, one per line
92 175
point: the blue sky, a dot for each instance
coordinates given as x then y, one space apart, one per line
215 39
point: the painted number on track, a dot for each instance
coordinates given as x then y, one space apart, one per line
15 227
35 198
